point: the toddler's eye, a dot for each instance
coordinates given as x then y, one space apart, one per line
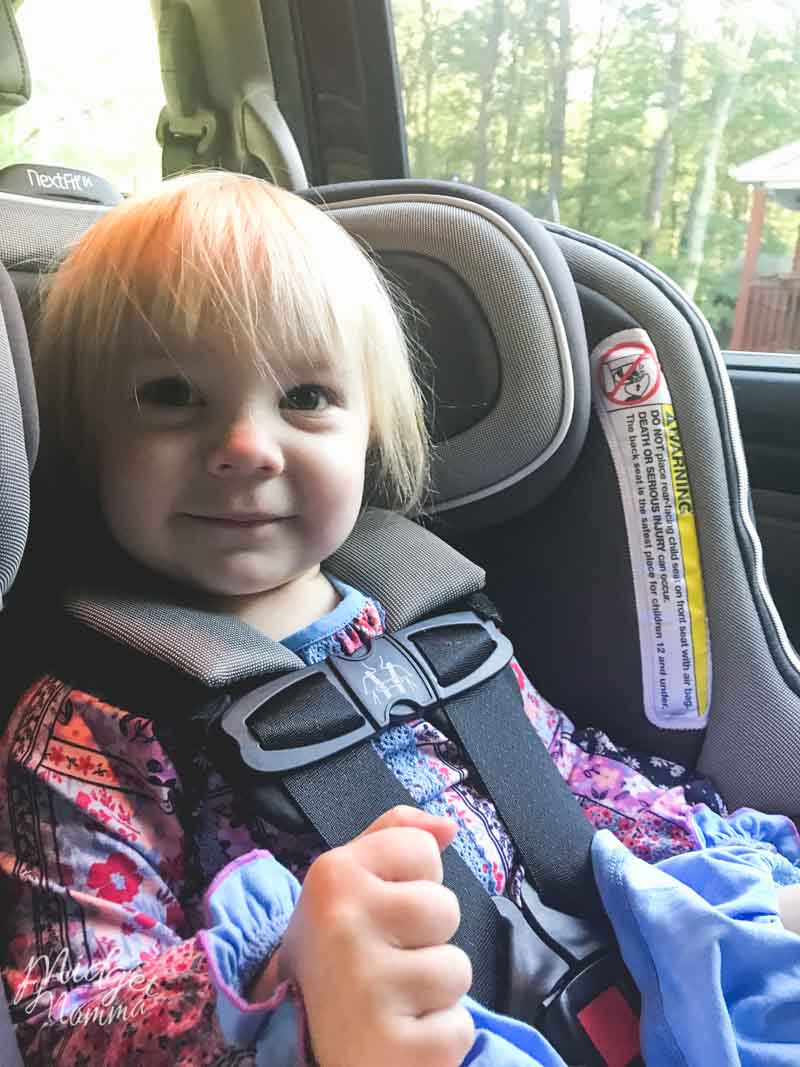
173 392
307 398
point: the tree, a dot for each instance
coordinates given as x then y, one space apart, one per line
488 74
558 115
734 52
522 42
623 122
665 146
599 53
426 66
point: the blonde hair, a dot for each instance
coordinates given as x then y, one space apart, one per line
274 275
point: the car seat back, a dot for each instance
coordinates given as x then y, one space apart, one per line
525 477
751 745
19 435
569 568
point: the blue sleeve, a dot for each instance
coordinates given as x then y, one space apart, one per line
701 934
248 907
504 1042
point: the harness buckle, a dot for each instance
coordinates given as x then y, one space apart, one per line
566 977
388 681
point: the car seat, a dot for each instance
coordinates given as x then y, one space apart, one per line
532 478
19 432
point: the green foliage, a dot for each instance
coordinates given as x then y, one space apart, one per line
619 66
618 55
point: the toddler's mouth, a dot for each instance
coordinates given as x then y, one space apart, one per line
239 519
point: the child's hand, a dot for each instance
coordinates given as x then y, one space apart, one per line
789 907
367 945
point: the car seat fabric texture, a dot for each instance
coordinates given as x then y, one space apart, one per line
107 852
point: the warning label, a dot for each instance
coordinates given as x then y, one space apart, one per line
631 373
633 403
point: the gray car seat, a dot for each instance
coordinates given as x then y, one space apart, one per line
525 476
19 427
531 478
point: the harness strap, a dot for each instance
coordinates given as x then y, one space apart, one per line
552 834
309 730
453 670
343 794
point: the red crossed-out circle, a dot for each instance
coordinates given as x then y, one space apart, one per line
644 352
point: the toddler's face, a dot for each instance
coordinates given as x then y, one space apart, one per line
226 480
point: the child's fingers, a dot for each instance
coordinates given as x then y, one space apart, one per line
418 914
440 1038
443 828
398 854
431 979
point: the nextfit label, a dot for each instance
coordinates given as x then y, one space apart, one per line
62 180
633 403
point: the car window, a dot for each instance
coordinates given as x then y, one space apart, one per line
96 91
664 127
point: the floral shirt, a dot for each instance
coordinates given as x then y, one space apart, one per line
103 872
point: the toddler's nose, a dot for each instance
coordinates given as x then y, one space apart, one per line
246 448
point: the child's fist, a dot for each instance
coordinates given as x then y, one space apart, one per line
367 945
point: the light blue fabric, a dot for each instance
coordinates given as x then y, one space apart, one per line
504 1042
348 608
747 828
280 1043
718 973
248 907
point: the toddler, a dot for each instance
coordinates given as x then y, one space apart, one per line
224 386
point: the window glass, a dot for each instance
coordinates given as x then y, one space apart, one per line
633 120
95 91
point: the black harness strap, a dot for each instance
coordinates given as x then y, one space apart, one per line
299 747
306 730
547 826
342 795
311 731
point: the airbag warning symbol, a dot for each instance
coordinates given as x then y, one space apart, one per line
630 373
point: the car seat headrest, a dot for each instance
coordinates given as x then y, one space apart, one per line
498 313
19 433
15 79
57 183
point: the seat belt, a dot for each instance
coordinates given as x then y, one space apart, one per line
187 129
172 664
279 743
311 729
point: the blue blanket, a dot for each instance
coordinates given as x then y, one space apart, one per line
718 972
700 932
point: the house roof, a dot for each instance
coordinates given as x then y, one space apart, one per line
779 169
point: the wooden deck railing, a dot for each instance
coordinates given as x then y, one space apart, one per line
772 318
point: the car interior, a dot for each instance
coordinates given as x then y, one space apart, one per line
596 453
